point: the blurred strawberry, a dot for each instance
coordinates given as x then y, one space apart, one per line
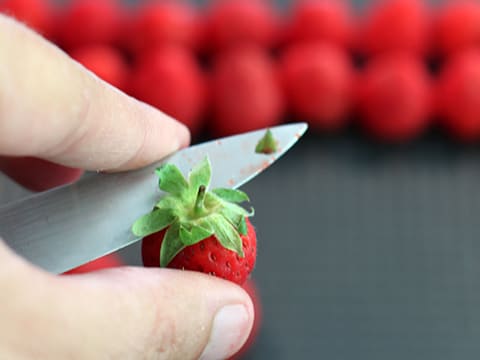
251 288
396 25
37 14
105 61
169 22
457 26
105 262
321 20
170 79
37 174
238 22
318 81
458 96
89 22
246 94
394 98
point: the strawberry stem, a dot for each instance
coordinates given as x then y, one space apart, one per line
199 206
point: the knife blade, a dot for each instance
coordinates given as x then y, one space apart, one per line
66 227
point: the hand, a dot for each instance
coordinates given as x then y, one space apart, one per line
52 108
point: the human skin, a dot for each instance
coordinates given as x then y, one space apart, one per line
53 109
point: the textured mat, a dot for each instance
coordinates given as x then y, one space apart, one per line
368 252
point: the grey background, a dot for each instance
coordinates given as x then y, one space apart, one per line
365 251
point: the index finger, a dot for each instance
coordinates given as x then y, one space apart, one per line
52 107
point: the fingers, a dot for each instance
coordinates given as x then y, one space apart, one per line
126 313
37 174
53 108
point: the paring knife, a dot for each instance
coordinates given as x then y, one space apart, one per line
63 228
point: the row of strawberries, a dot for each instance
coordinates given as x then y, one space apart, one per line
240 65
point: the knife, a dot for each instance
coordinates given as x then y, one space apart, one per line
66 227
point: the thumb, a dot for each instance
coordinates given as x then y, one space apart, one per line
125 313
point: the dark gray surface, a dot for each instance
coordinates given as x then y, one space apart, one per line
368 252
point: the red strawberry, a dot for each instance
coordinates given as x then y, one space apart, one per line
394 98
87 22
194 229
37 14
252 290
170 79
318 80
105 262
396 25
457 26
458 96
321 20
105 61
246 94
161 23
37 174
238 22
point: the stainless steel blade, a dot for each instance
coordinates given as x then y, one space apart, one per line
66 227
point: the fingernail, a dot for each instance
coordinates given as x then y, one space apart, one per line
229 332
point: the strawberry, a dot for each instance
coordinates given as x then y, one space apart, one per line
458 96
193 228
245 91
457 26
161 23
321 20
394 98
87 22
37 14
396 25
251 288
37 174
231 23
105 61
318 82
170 79
105 262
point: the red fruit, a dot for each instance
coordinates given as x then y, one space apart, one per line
457 26
318 80
321 20
37 174
105 61
163 23
207 256
458 96
194 229
396 25
88 22
252 290
170 79
246 94
37 14
105 262
394 98
232 23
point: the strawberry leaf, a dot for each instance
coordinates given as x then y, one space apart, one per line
242 226
153 222
233 213
194 235
171 244
171 179
200 175
226 234
267 144
231 195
